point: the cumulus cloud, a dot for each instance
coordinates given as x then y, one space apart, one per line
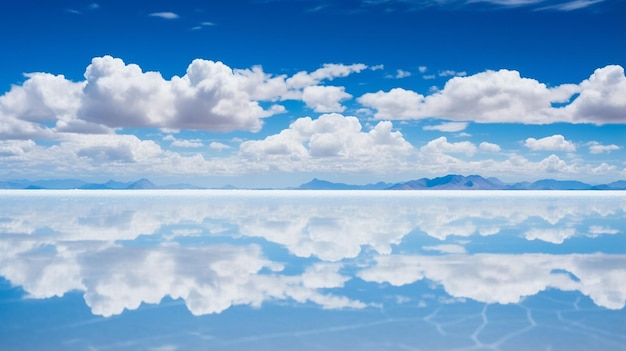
194 143
325 98
597 148
601 98
42 98
209 96
505 97
552 143
489 147
212 96
448 127
218 146
307 142
398 103
442 146
106 155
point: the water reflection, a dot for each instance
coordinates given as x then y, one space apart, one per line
338 251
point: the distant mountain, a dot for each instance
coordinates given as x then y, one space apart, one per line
76 184
460 182
619 185
552 184
317 184
451 182
43 184
448 182
142 183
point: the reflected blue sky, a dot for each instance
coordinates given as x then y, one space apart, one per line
231 270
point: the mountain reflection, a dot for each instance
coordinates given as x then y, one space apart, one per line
217 249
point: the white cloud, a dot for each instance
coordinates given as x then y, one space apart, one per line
597 148
571 5
601 98
603 168
422 69
42 98
325 98
489 147
554 164
107 155
218 146
209 96
187 143
15 148
212 96
327 72
164 15
184 143
505 97
203 24
307 143
451 73
552 143
400 74
442 146
398 103
450 127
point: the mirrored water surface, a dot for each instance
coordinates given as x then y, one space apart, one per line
312 270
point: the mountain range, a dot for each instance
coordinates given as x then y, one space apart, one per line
142 183
448 182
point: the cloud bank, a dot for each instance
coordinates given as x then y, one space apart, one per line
54 127
505 96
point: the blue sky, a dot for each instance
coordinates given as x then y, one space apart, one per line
273 93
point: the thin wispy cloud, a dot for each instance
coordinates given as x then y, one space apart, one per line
203 24
165 15
412 5
571 5
450 127
451 73
399 74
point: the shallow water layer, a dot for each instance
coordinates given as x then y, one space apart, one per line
311 270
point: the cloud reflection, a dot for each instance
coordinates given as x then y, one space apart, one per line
122 249
209 279
498 278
